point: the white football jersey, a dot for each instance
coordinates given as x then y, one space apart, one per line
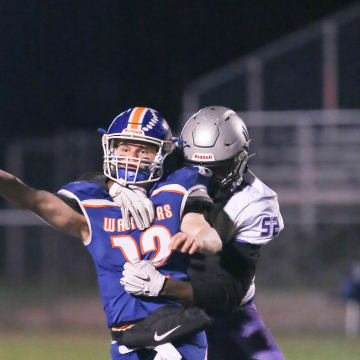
256 214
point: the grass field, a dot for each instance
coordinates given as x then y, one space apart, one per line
53 346
301 347
96 347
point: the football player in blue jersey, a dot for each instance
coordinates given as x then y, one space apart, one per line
216 137
135 146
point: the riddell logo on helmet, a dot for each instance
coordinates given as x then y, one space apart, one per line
203 157
133 132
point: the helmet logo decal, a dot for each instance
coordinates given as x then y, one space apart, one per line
138 132
203 157
152 122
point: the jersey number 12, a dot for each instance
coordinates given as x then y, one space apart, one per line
154 239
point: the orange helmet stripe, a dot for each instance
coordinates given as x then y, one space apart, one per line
136 118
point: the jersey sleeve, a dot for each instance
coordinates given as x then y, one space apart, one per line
73 203
201 183
191 182
197 200
259 222
196 180
83 190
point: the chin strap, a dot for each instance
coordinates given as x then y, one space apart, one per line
132 176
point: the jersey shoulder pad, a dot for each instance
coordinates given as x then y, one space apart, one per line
252 189
189 177
93 177
85 190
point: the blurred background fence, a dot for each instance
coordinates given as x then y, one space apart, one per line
315 68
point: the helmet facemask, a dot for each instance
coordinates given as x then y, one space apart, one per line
236 173
133 170
231 172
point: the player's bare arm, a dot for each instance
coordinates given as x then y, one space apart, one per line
44 204
181 290
196 236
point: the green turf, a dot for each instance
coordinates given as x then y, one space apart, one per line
319 347
54 347
96 347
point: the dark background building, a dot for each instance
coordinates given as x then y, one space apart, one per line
76 64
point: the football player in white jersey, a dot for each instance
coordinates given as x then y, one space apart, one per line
217 138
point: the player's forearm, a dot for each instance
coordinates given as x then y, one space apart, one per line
22 195
15 191
181 290
215 215
207 238
217 295
46 205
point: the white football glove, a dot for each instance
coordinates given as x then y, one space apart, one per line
133 201
142 278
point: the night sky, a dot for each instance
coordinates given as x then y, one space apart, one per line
76 64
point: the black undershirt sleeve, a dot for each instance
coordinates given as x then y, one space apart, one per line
216 294
221 291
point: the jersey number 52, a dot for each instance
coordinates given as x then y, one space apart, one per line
270 226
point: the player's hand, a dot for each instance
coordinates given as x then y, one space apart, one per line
134 202
142 278
185 243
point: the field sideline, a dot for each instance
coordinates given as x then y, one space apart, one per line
54 346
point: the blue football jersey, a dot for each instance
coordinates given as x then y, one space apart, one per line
111 246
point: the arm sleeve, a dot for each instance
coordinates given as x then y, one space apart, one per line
222 291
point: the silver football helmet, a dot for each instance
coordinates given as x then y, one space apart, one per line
216 137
